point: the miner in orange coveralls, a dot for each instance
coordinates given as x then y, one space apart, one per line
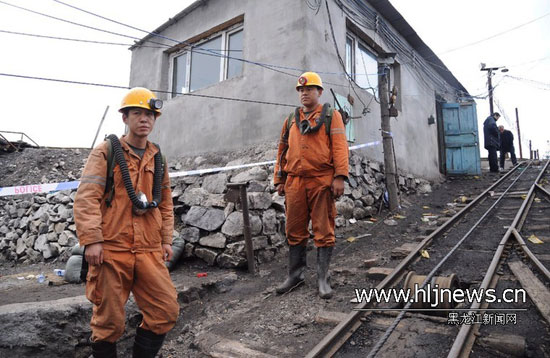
312 164
127 232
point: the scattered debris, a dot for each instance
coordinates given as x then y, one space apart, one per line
535 240
390 222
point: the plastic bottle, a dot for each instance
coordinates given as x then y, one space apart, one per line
41 278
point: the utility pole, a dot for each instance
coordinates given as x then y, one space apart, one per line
519 133
384 63
530 150
490 82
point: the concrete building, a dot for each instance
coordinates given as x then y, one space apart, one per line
255 50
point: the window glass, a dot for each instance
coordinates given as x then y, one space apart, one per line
349 56
179 74
235 44
366 68
205 65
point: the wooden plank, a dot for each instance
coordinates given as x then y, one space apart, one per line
535 289
544 257
403 250
537 228
219 347
206 34
330 317
510 345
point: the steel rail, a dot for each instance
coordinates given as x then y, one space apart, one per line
332 342
457 349
522 244
380 343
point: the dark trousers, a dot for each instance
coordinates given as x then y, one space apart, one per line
512 157
493 159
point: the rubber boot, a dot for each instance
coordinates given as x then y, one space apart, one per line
103 349
147 344
296 268
323 262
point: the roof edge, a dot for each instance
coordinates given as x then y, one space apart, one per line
170 22
394 17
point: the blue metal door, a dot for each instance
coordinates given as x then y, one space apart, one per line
461 139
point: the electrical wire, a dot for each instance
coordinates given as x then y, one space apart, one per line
115 21
365 108
493 36
528 80
152 90
314 5
73 39
363 15
77 24
195 48
204 51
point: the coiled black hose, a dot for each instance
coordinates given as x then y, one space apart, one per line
157 179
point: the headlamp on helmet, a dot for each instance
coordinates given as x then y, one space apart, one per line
155 104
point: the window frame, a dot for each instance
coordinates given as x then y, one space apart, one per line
228 34
224 60
356 41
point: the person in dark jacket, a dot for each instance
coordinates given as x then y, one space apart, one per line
506 146
491 136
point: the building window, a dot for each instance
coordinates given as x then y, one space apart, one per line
208 62
361 63
235 53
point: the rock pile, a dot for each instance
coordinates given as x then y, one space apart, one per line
41 227
37 228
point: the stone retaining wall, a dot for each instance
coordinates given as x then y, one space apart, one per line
41 227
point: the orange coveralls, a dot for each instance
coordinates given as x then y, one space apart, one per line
312 162
132 248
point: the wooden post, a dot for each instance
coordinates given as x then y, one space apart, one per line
98 128
519 134
237 194
387 137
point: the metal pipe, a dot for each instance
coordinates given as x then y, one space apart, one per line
22 134
9 143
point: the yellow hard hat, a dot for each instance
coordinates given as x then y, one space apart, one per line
309 79
142 98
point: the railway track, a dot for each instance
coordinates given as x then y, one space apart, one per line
492 243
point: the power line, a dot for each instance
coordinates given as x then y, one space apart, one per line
153 90
528 80
114 21
76 23
273 67
529 62
212 51
350 79
206 51
73 39
364 16
493 36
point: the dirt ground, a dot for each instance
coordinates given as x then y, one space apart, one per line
244 308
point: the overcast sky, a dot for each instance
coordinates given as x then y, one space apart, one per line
65 115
